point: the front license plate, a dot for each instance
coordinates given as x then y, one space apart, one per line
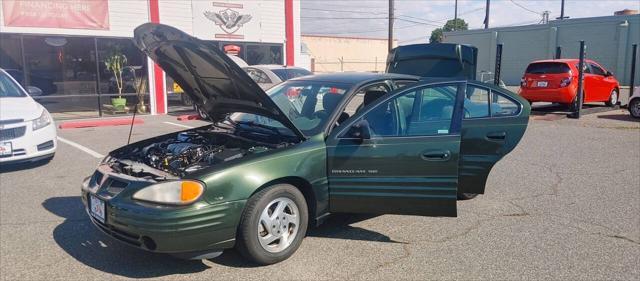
542 84
97 208
6 148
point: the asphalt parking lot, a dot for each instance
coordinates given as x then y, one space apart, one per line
564 205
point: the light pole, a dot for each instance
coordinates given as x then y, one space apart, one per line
390 25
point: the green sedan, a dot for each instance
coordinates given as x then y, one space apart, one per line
272 164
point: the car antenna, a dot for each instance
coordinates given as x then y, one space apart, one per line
135 109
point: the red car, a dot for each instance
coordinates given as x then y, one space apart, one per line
557 81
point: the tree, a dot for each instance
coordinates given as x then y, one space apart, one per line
436 35
451 25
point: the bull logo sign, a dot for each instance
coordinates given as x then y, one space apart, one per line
228 19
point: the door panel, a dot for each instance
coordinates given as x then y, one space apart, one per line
394 176
395 172
486 139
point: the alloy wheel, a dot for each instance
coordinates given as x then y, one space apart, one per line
278 225
634 108
613 100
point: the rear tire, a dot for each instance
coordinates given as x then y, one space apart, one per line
613 98
273 224
574 104
466 196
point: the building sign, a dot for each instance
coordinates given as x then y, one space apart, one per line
80 14
229 19
218 20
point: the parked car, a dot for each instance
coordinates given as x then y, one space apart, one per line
269 75
273 163
27 131
557 81
634 103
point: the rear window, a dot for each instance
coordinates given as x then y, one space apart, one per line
547 68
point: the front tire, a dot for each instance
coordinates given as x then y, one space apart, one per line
613 98
634 108
466 196
273 224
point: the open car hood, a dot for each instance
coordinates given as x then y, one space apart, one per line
213 81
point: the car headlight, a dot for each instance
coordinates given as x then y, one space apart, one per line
172 192
42 121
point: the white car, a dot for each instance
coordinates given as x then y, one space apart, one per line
269 75
634 103
27 131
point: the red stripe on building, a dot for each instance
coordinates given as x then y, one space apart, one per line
160 100
288 22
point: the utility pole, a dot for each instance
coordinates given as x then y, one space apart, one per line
562 10
390 25
486 17
455 17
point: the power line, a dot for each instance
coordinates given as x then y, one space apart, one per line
359 31
343 18
525 8
371 13
423 23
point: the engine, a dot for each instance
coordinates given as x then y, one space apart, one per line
187 152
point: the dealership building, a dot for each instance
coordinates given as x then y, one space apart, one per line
61 46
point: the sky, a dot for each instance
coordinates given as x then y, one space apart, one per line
415 19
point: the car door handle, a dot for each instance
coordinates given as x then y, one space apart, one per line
498 136
437 155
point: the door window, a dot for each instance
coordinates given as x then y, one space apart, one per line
421 112
597 70
476 102
502 106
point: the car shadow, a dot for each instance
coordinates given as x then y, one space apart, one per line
84 242
619 117
337 226
14 167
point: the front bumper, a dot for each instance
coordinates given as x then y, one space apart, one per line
195 228
31 145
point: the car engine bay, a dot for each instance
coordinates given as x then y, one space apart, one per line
178 155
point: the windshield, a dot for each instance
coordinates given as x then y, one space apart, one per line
290 73
308 104
8 88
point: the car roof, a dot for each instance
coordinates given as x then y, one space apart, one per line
353 77
273 66
561 60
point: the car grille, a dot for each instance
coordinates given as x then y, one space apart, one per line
12 133
112 186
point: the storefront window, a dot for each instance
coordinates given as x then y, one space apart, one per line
134 71
263 54
11 56
64 68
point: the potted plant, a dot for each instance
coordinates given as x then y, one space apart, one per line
116 63
141 89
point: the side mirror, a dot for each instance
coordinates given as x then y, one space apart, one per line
34 91
359 130
608 74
